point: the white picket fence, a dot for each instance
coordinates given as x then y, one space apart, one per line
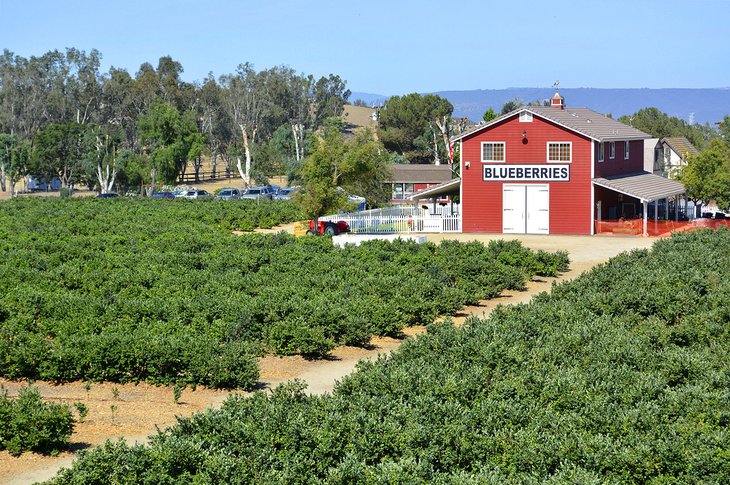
398 219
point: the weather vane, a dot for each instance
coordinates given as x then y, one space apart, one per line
556 84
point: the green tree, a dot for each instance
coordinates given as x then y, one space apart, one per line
489 115
14 158
321 173
512 105
337 168
707 175
661 125
724 127
414 126
170 140
59 151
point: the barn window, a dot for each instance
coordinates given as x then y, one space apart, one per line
626 150
612 150
600 152
493 151
559 152
525 117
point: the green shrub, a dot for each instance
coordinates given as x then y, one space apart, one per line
29 424
619 376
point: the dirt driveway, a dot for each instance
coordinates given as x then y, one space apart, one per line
133 411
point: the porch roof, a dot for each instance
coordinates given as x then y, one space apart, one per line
644 186
447 188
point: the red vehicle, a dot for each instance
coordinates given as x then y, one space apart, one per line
328 228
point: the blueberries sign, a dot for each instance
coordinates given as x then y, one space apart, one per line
553 172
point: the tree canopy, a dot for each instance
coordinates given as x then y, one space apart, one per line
707 175
237 115
409 126
661 125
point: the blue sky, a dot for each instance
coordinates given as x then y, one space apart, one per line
397 47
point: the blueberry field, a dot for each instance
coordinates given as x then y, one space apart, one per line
620 376
161 291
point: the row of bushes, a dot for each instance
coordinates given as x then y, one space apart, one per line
160 291
620 376
29 424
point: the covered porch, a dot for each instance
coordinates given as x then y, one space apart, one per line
640 203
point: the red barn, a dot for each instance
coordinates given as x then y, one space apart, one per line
553 170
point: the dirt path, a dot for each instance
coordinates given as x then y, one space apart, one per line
133 411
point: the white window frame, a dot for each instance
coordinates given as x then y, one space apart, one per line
504 151
626 150
570 148
525 117
611 150
601 153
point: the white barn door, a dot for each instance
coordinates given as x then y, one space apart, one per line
538 209
513 209
525 209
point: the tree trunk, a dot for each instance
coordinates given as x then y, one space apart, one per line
12 189
196 165
215 159
298 132
436 159
2 177
246 176
443 125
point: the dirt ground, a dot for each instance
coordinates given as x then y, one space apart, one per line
134 411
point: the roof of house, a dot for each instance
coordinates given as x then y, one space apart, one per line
420 173
580 120
451 187
644 186
681 146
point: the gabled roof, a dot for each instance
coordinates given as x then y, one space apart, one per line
643 186
580 120
681 146
418 173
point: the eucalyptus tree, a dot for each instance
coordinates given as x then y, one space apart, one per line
243 102
83 85
214 121
117 107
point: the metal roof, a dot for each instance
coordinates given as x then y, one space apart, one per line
644 186
580 120
419 173
681 146
447 188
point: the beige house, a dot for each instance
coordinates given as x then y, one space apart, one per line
665 156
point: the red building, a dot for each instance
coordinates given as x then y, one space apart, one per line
408 179
553 170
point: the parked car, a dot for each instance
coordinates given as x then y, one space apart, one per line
256 193
228 194
163 195
194 194
108 195
286 193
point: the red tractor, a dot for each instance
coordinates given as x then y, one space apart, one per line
328 228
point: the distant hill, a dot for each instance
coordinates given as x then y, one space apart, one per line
699 105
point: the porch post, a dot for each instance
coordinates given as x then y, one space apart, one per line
676 207
656 210
686 207
646 217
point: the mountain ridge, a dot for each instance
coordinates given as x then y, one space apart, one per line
694 105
